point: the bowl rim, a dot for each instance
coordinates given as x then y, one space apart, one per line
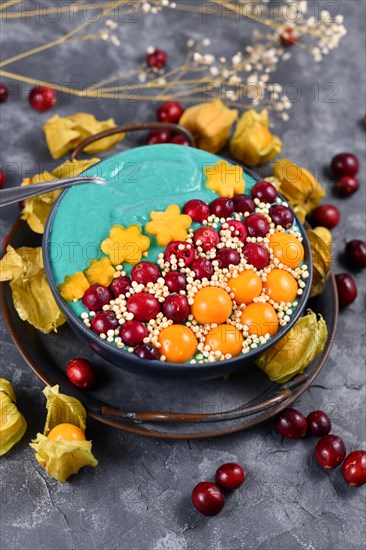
157 365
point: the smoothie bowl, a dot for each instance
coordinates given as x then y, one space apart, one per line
182 264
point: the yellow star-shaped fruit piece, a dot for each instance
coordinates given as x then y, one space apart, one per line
225 179
169 226
125 244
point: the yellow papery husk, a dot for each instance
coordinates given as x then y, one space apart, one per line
320 241
12 423
37 209
296 350
252 142
210 124
62 458
31 293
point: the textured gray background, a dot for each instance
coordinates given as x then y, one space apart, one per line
139 495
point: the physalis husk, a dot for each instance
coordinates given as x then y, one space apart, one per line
12 422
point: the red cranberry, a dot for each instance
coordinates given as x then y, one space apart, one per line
264 191
4 92
181 250
318 423
356 253
80 373
133 333
176 308
202 268
354 468
171 111
96 297
2 178
243 204
175 281
326 215
281 215
256 255
148 352
345 164
198 210
208 498
104 321
179 139
42 98
291 423
237 229
145 272
230 476
21 205
347 186
222 207
157 59
256 225
121 285
144 306
347 289
206 237
5 243
227 256
289 36
330 451
159 136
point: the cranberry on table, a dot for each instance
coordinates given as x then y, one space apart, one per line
104 321
170 111
176 308
208 498
222 207
198 210
2 178
354 468
133 333
203 269
347 289
175 281
96 296
330 451
256 225
230 476
281 215
147 352
80 373
145 272
42 98
238 229
157 59
144 306
180 139
356 253
345 164
319 423
289 36
264 191
181 250
243 204
207 238
326 215
256 255
159 136
347 185
291 423
227 256
4 93
120 285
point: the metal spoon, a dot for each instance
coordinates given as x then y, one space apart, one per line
16 194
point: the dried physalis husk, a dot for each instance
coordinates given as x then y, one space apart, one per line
64 133
32 296
210 124
62 458
37 209
296 350
12 422
320 240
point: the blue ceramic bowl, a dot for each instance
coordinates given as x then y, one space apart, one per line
82 216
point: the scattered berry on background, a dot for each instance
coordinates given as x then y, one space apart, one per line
171 111
198 210
206 237
144 306
175 281
256 225
289 36
330 451
157 59
42 98
133 333
356 253
208 498
80 372
222 207
264 191
180 139
354 468
319 423
326 215
147 352
96 296
347 185
347 289
291 423
243 204
176 308
202 268
230 476
281 215
4 93
103 322
2 178
345 164
121 285
158 136
145 272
